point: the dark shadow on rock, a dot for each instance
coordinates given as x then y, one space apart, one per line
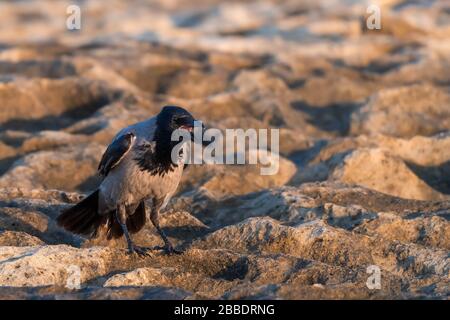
326 166
376 201
53 233
351 222
4 46
52 69
408 3
93 293
237 270
15 258
57 122
297 83
302 157
382 67
163 293
189 19
52 122
6 163
437 177
90 129
331 118
444 214
186 232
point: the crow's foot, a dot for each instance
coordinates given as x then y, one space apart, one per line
140 251
169 249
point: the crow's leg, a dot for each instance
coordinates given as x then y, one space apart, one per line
154 217
121 216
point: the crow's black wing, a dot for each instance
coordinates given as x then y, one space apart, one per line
115 152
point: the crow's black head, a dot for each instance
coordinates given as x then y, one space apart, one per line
159 160
172 118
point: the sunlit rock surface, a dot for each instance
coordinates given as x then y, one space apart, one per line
364 171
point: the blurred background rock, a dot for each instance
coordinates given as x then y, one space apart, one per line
365 143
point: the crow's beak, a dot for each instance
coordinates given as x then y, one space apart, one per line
187 128
188 124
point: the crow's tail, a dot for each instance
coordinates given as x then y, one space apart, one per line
83 218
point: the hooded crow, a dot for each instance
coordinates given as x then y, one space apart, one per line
136 166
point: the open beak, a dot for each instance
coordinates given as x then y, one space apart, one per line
188 124
187 127
190 127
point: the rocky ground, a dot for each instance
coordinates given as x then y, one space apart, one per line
365 143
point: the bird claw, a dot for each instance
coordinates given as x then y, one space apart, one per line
170 250
142 252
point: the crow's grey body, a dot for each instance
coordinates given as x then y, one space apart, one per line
136 166
128 184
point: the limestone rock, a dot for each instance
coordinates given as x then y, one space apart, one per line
19 239
225 180
171 277
50 265
67 169
364 170
405 112
380 171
